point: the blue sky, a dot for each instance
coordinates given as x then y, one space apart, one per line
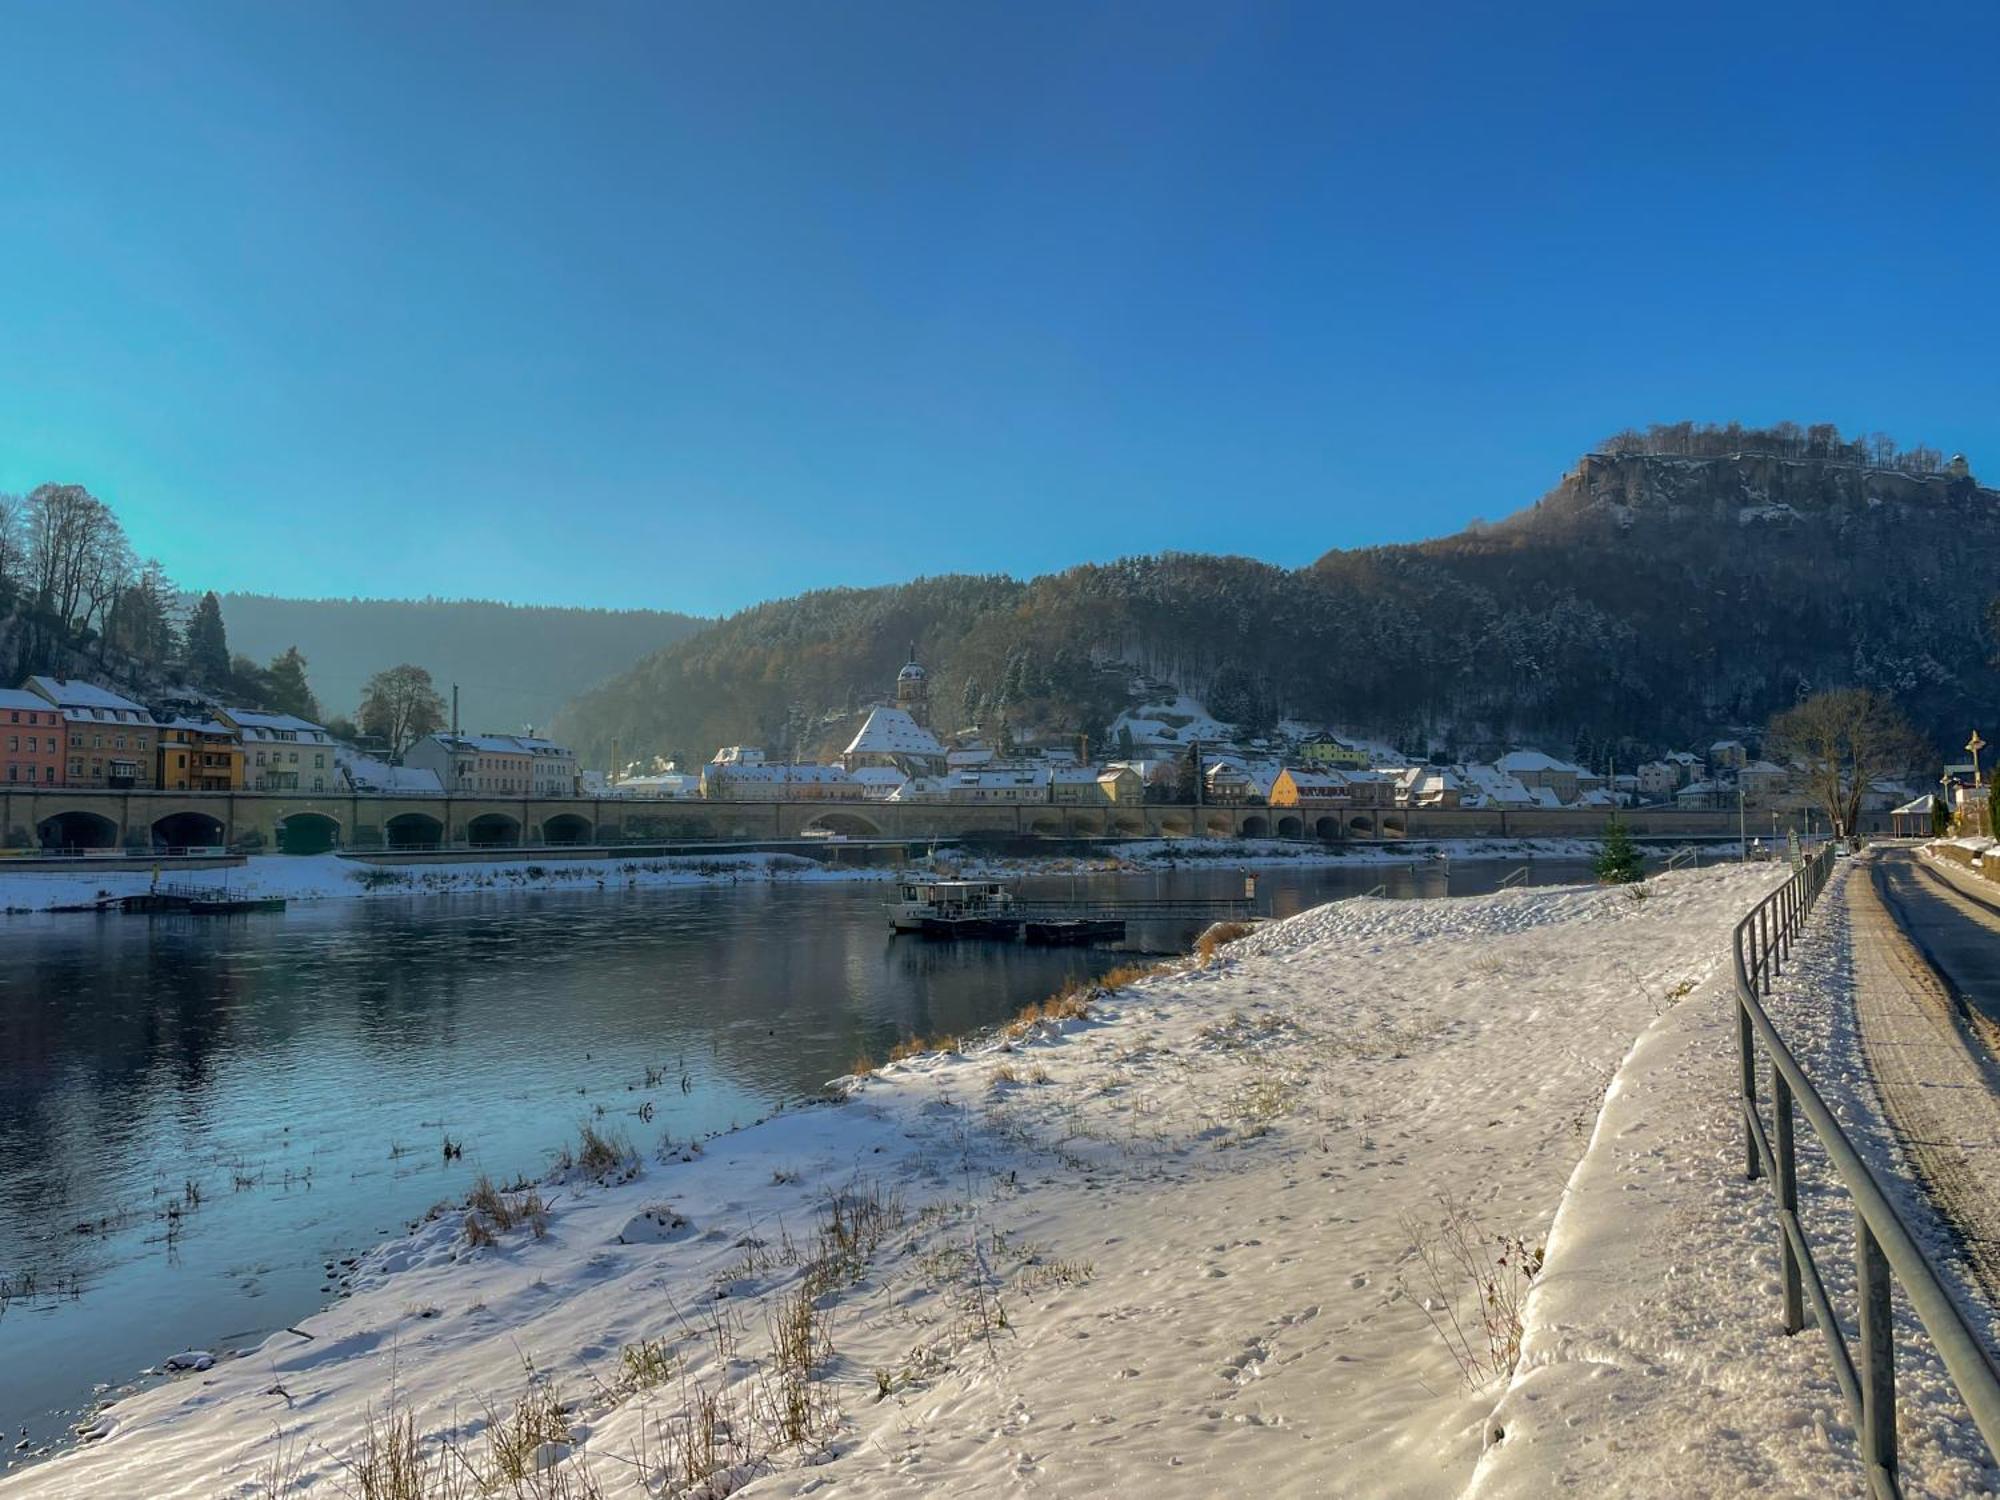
691 306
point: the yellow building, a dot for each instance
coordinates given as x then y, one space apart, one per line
199 755
1298 788
1328 751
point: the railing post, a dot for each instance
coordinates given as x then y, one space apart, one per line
1764 922
1746 1050
1878 1353
1788 1197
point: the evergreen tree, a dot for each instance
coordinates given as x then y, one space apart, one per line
1993 806
287 688
208 644
1940 818
968 703
1619 861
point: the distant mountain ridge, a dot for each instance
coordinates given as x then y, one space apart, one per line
1649 598
515 664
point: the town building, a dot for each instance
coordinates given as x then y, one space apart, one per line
1326 750
31 735
1296 786
1761 782
198 754
1658 780
765 782
1008 784
1728 755
913 691
108 740
282 752
891 737
1431 786
504 765
1535 770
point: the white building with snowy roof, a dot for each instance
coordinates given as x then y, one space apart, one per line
1534 770
890 737
780 783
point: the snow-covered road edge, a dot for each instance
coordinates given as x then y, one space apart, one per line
1657 1314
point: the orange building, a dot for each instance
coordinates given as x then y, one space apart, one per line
31 734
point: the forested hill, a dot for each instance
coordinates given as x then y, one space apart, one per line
515 664
1652 597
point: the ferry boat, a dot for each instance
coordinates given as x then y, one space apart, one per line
955 908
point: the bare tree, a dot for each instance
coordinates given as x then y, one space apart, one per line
1842 740
13 512
75 548
401 706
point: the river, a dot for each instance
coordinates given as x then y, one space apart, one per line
202 1119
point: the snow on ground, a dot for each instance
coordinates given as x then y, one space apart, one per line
1165 1248
1654 1362
1386 852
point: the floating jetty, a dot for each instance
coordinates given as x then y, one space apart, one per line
199 901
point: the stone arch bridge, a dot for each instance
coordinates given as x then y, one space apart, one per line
58 817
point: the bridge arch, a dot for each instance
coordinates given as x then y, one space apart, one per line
1291 826
1218 825
77 830
493 829
1127 825
847 824
1361 826
1048 825
1256 826
566 828
1392 827
412 830
187 830
307 833
1326 827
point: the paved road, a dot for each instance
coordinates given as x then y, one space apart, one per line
1927 1002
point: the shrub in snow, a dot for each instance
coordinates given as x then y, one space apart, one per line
1619 861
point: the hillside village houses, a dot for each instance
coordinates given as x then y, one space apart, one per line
66 732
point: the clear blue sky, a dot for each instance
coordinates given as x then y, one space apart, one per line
694 305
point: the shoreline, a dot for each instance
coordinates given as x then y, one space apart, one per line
1230 1150
331 877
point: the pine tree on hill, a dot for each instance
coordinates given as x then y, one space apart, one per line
208 643
287 687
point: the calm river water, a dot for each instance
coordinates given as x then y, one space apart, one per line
201 1118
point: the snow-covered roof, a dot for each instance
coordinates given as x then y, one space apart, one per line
1514 762
1174 721
22 698
1682 757
258 725
973 757
1761 768
1495 787
86 700
1916 805
775 775
891 731
1544 796
1725 745
1318 781
920 789
365 774
179 721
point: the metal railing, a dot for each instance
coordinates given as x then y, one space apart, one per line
1883 1245
1514 877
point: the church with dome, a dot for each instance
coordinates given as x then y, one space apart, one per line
899 735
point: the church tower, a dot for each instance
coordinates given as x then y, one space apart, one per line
913 690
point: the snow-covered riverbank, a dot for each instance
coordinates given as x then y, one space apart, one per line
326 877
1170 1245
